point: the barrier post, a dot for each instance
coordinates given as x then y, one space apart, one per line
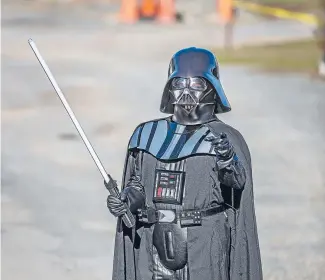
129 12
166 11
226 12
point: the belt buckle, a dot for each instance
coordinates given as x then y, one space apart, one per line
166 216
190 218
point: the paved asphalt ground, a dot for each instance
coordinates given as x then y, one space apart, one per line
55 224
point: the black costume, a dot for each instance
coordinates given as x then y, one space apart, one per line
188 180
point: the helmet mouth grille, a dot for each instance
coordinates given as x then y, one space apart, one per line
187 108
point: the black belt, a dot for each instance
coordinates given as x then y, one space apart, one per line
185 217
212 211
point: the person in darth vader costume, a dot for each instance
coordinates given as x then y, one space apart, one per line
188 181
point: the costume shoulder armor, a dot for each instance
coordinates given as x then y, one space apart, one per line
169 141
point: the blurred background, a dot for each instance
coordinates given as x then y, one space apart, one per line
110 58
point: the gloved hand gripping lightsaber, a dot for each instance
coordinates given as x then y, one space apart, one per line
111 185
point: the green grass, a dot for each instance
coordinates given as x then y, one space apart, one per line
298 56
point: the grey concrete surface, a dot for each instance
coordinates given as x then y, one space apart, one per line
55 224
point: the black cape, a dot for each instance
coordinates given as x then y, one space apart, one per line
133 248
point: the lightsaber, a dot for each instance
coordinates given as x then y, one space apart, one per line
110 184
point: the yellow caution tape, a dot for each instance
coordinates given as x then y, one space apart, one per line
277 12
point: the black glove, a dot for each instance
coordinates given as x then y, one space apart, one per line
116 206
133 195
224 150
231 172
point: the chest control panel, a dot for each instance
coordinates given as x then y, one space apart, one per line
169 186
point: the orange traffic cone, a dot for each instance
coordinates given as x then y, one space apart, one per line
148 8
225 10
167 12
129 11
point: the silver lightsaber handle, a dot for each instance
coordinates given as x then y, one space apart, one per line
128 218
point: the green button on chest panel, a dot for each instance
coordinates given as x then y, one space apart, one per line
169 141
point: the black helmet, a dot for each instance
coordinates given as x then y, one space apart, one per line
194 62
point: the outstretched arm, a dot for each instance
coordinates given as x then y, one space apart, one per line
230 170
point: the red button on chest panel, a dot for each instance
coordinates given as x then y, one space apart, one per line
159 191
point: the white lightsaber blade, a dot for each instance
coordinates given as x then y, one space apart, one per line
128 217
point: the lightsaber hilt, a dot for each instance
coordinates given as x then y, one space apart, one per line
128 217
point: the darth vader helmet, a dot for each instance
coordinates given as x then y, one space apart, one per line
193 92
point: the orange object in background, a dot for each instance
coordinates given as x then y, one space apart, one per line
148 9
129 12
225 10
166 11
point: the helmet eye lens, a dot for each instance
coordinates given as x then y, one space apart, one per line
198 84
179 83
